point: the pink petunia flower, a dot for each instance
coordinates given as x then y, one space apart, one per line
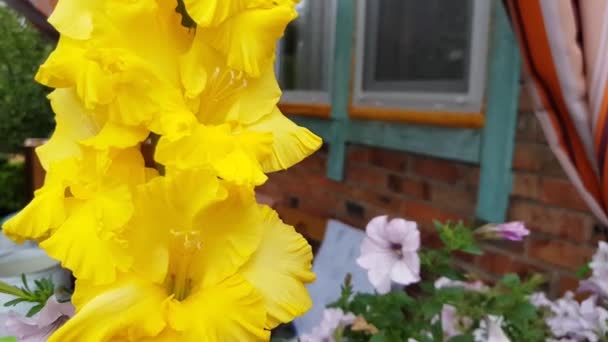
389 253
490 330
514 231
39 327
334 321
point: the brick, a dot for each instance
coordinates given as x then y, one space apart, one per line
568 225
315 164
389 159
425 213
526 104
327 184
567 283
525 185
358 154
472 177
384 202
527 126
310 226
418 189
550 166
453 198
438 169
516 247
366 176
563 254
500 264
528 157
561 193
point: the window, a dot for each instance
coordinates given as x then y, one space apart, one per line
414 54
305 53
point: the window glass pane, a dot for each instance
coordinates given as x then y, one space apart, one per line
413 45
304 57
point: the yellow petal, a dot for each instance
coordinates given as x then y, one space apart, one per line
278 270
248 39
44 213
74 18
116 135
260 97
230 311
58 70
291 142
228 239
233 155
73 125
89 242
213 12
129 309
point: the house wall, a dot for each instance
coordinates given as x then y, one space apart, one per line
380 181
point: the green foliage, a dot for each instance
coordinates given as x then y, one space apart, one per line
8 339
12 187
24 109
43 290
417 313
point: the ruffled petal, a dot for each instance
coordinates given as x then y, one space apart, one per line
88 242
291 142
233 156
72 125
248 39
213 12
129 309
231 308
278 270
74 18
118 136
44 213
227 240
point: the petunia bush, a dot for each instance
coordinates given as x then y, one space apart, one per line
421 296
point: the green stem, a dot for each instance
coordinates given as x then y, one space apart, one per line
12 290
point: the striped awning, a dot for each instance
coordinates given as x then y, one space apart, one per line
565 51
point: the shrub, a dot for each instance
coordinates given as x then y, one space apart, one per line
24 109
12 186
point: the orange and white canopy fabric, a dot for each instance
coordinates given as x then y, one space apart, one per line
564 44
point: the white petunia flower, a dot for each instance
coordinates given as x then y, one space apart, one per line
389 253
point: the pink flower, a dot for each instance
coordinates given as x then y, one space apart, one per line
452 323
490 330
514 231
334 321
477 286
598 282
43 324
389 253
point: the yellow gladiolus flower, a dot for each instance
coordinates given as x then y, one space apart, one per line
127 71
237 115
210 264
245 31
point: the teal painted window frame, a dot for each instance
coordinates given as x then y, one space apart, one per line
491 146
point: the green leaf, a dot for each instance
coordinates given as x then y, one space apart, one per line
583 272
510 280
462 338
34 310
14 302
8 339
379 337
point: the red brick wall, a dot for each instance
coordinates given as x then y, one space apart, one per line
380 181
